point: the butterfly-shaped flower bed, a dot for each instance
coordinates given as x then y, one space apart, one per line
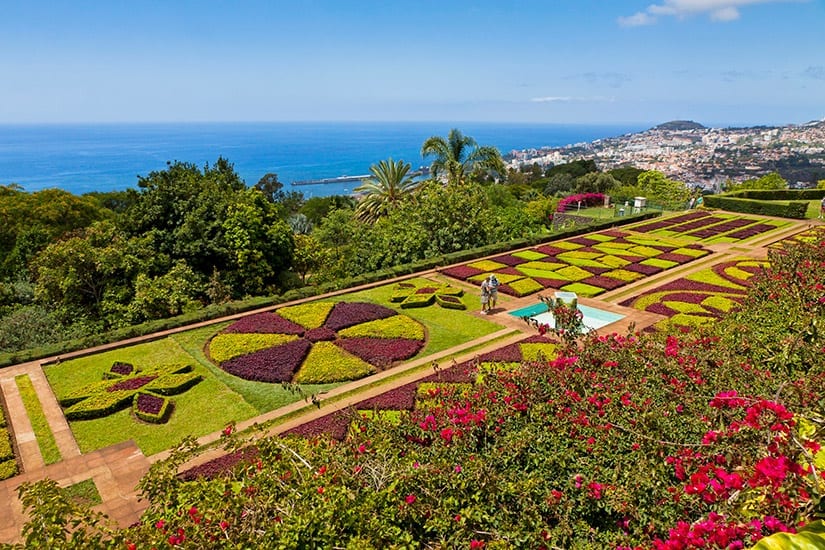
588 265
409 294
146 390
702 296
316 343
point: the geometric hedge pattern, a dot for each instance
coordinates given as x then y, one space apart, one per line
316 343
708 227
588 265
702 296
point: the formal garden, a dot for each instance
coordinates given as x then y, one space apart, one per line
159 392
689 434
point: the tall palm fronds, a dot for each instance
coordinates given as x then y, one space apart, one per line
459 154
389 184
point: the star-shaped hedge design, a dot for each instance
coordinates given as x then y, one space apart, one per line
316 343
410 295
146 390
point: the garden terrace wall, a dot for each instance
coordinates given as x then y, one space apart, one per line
218 311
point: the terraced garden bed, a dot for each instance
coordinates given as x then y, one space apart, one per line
702 296
587 265
709 227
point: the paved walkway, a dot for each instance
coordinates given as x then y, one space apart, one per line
116 470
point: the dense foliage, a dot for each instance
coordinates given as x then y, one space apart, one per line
702 439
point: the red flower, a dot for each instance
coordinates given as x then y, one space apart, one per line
409 499
224 525
228 430
476 543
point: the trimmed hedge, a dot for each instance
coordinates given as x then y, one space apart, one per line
216 311
789 209
151 408
8 469
779 194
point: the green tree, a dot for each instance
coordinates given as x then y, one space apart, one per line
458 155
307 257
91 273
259 243
166 295
660 189
317 208
766 182
389 184
596 182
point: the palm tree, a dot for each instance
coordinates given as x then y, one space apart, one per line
459 154
389 184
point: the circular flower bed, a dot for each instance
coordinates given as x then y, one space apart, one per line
324 342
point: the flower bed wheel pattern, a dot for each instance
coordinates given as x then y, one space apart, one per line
316 343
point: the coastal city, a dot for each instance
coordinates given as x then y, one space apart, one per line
700 156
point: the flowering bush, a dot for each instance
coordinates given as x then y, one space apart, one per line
585 199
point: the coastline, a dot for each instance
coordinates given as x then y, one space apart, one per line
85 158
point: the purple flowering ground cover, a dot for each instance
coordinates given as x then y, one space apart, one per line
347 314
149 404
273 365
265 323
220 466
281 362
131 383
381 352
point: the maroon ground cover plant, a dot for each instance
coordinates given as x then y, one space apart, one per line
551 283
320 334
265 323
462 272
272 365
607 283
131 383
380 351
347 314
121 368
643 269
509 259
335 425
150 404
550 250
220 466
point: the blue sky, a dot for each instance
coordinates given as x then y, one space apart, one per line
558 61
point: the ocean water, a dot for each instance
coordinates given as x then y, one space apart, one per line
104 157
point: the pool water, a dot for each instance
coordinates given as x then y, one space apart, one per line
593 318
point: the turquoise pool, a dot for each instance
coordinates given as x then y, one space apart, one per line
593 318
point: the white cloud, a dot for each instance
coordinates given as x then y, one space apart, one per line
637 20
717 10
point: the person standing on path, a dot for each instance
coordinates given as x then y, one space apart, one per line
485 296
493 291
822 208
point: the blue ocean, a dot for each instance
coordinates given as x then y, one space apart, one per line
105 157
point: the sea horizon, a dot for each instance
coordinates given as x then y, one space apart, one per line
88 157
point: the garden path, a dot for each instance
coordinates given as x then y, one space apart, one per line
116 470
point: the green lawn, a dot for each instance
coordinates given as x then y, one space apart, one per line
446 328
207 407
40 426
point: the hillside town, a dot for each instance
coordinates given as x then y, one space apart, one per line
700 156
